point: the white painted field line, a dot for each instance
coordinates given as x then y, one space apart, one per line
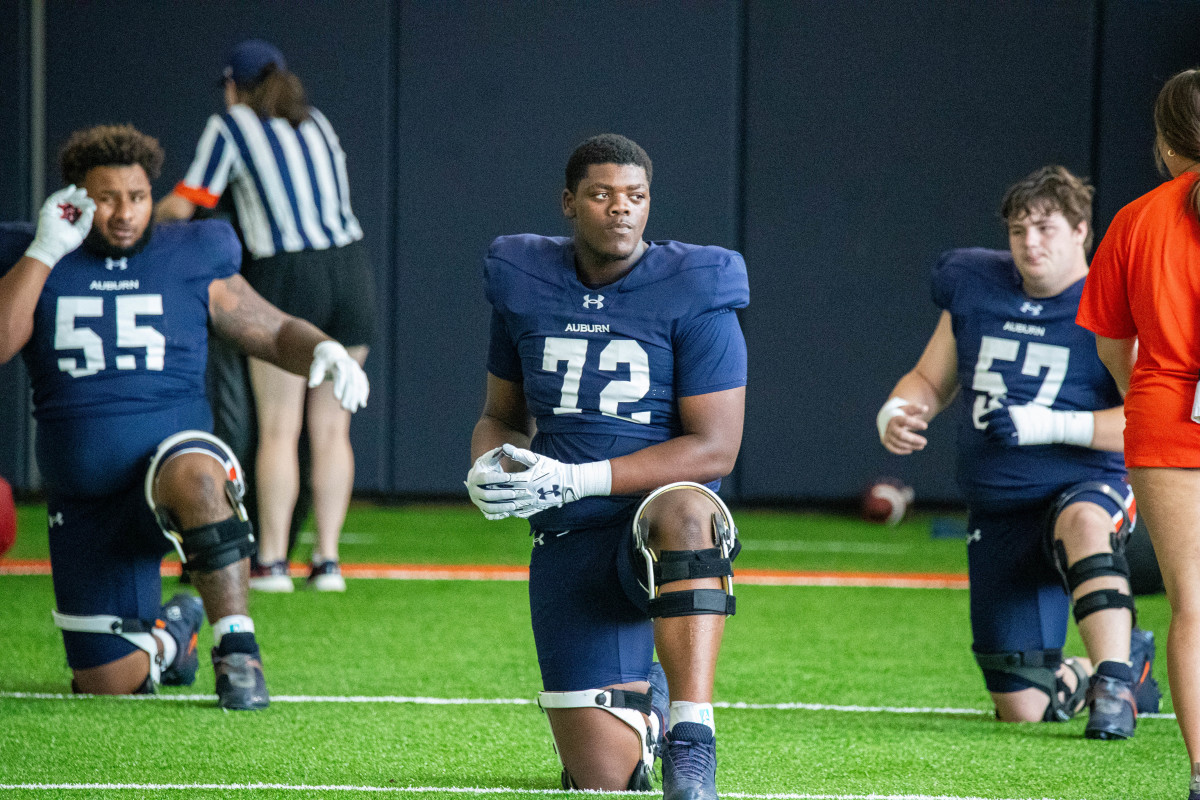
159 787
511 701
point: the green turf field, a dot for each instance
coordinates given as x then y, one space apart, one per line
823 692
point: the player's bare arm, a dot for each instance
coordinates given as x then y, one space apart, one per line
263 331
1118 356
1109 432
704 452
505 418
922 393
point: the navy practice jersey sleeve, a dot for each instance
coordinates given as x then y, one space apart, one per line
1013 349
602 369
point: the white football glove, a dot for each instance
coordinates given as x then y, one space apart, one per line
551 483
350 385
63 224
491 488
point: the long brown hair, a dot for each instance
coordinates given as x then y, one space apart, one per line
1177 121
276 93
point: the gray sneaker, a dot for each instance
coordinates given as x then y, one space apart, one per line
690 763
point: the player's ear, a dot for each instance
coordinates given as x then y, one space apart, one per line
568 204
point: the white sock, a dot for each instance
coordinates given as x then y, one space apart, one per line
685 711
234 623
169 648
1195 784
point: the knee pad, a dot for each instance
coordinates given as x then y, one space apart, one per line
207 547
677 565
135 631
627 706
1039 668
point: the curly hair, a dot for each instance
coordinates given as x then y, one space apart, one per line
606 148
1049 189
109 146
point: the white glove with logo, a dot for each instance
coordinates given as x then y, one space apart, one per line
63 223
350 385
491 488
551 483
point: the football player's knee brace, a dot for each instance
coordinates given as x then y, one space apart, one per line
657 569
632 708
1099 564
205 548
135 631
1039 669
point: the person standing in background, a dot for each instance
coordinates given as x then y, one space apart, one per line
283 163
1142 300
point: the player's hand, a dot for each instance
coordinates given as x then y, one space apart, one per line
63 224
1031 424
491 488
549 483
898 422
350 385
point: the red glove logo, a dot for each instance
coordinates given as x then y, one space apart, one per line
69 212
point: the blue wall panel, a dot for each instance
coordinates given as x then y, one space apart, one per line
871 148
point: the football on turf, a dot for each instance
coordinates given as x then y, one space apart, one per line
886 501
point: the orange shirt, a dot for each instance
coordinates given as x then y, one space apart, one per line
1145 282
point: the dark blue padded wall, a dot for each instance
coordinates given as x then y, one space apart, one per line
878 135
1143 45
492 99
156 65
14 204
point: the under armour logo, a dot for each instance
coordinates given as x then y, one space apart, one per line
54 519
974 536
551 492
593 302
1031 308
539 538
116 263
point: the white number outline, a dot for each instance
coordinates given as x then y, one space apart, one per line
1038 356
557 349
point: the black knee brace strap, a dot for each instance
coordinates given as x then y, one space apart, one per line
1096 566
1039 668
1101 600
211 547
693 602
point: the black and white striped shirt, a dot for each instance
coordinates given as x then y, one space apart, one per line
289 184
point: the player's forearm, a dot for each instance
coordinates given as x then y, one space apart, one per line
20 289
293 344
1109 432
491 432
918 389
691 457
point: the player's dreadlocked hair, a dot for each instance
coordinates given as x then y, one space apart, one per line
109 146
1049 189
1177 121
607 148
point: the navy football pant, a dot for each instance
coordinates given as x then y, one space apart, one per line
1018 602
589 613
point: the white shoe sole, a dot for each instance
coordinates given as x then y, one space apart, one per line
328 583
272 583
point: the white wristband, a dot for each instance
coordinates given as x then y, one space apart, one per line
892 408
593 478
39 253
1075 427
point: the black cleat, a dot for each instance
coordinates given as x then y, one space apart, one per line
1112 711
690 763
1145 688
182 617
240 682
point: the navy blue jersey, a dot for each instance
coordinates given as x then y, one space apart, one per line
602 369
1013 350
117 342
